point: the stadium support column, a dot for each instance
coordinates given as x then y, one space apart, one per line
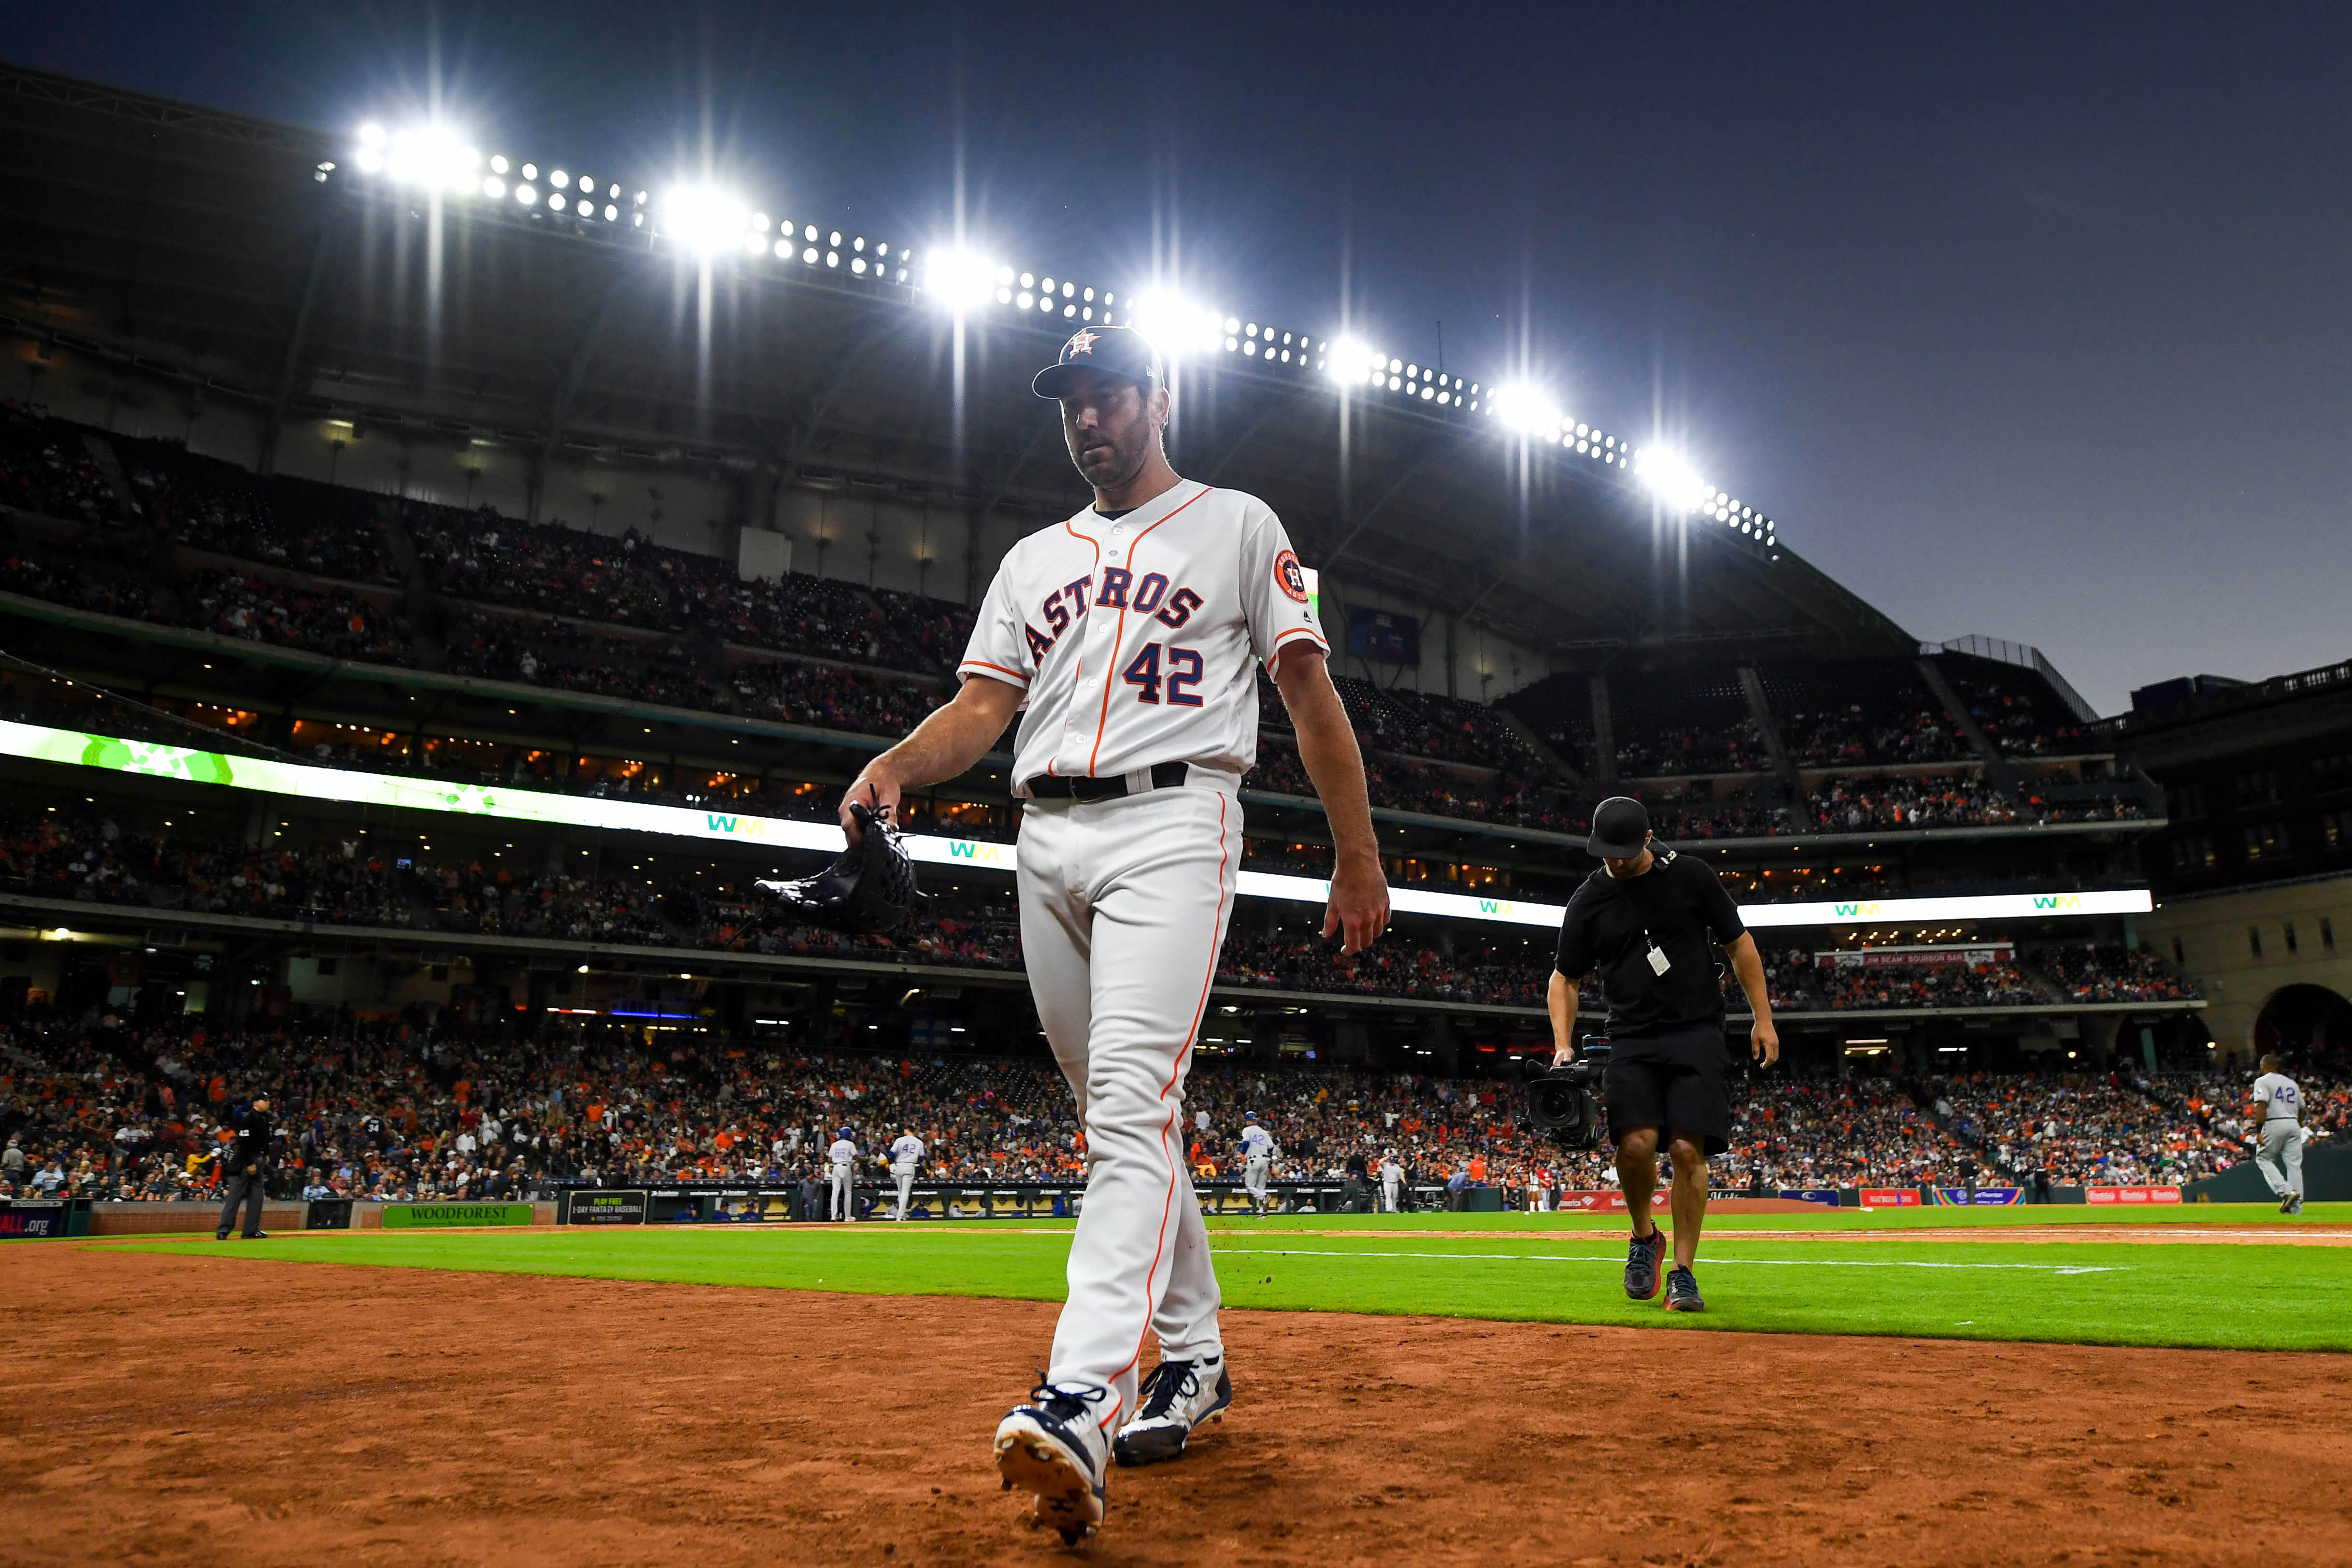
1997 773
1751 685
1605 735
290 364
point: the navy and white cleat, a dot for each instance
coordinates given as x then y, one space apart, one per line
1177 1396
1053 1447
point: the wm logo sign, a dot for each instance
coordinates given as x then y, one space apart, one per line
736 827
1857 911
2057 901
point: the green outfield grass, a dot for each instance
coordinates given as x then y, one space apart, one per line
1542 1268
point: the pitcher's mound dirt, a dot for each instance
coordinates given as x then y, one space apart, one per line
175 1410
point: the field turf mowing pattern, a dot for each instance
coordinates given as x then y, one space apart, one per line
1561 1269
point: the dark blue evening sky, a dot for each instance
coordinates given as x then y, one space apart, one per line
2030 322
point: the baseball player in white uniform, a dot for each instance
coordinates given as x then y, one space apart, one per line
1257 1160
905 1159
843 1159
2277 1114
1131 635
1391 1185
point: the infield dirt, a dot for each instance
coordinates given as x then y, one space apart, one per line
170 1409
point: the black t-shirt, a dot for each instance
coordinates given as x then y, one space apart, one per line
252 1151
1679 905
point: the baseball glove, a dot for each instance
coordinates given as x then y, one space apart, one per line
870 887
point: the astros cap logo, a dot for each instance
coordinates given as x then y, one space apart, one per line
1082 342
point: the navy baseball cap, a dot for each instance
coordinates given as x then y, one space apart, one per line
1620 828
1118 350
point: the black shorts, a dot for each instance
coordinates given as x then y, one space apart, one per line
1673 1082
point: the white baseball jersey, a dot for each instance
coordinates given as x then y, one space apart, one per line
844 1153
2278 1095
1392 1174
906 1155
1257 1143
1135 639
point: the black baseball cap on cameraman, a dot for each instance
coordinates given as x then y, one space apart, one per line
1620 828
1115 351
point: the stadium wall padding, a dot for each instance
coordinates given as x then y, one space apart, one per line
2326 1179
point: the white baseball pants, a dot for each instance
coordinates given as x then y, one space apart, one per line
1253 1176
2279 1157
1124 904
1392 1193
906 1179
842 1208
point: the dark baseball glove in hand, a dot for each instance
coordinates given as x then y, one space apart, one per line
871 886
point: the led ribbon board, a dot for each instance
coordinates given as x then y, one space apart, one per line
500 802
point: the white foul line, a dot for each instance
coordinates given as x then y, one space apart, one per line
1712 1262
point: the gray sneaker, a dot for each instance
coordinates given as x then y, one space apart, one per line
1642 1265
1682 1292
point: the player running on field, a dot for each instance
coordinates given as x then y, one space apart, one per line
905 1159
1131 635
2276 1113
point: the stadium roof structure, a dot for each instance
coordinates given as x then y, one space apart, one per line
241 261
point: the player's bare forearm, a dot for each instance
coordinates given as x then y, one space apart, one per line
942 747
1559 1001
1764 1038
1359 910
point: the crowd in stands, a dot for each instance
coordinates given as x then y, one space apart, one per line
1992 983
45 469
43 572
2084 1129
1426 753
318 618
2092 972
416 1108
1874 711
2021 715
1863 1132
300 524
1736 746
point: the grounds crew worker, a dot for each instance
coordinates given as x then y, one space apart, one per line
1650 920
244 1171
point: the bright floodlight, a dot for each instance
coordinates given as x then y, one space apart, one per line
1176 328
1347 360
960 279
430 156
704 219
1522 408
1672 479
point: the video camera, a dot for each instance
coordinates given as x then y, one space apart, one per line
1565 1101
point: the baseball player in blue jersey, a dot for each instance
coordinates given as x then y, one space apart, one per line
1129 636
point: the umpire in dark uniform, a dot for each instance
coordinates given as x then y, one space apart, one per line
247 1170
1650 920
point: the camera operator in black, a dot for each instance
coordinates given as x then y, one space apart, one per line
1650 920
244 1171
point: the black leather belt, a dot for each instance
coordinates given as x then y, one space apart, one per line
1052 786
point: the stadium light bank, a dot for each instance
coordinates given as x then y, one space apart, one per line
709 222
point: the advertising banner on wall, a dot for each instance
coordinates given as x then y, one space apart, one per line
1967 1197
441 1216
1890 1197
2131 1194
604 1207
